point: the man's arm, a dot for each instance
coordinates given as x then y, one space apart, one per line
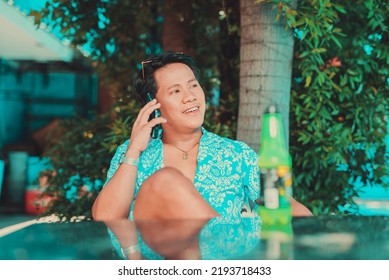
299 210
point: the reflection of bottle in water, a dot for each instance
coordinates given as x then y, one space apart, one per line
277 241
276 180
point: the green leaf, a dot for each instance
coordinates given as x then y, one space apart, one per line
319 50
339 8
304 54
325 114
308 81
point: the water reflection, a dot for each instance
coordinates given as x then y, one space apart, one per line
327 237
308 238
198 239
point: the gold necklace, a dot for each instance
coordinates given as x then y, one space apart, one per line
185 153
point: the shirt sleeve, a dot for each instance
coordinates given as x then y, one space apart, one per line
250 173
115 161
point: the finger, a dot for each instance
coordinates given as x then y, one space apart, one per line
152 108
146 110
146 114
156 121
148 105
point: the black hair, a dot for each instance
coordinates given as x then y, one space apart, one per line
144 81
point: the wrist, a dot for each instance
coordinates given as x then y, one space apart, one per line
126 251
132 153
129 160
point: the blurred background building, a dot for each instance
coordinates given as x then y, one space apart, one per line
41 81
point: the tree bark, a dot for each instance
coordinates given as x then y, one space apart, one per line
266 54
177 30
229 48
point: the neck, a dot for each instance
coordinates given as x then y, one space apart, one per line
182 140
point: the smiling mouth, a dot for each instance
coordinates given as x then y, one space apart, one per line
192 110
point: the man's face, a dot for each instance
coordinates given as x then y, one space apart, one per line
181 96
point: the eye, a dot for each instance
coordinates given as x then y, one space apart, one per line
194 85
175 91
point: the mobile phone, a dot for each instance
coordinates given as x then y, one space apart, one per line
155 114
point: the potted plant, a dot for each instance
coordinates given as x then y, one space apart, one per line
36 201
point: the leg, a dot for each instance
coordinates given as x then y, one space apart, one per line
172 239
168 194
170 213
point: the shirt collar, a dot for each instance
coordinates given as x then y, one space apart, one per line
209 140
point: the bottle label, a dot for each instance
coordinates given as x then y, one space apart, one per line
271 197
276 187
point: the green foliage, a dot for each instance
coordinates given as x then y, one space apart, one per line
339 100
116 35
80 161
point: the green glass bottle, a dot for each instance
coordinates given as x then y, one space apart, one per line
275 164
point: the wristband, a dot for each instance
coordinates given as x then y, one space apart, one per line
129 250
129 161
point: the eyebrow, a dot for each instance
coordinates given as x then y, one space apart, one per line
176 85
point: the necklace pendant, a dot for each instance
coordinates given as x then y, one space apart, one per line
185 155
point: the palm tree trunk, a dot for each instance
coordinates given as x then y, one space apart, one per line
266 54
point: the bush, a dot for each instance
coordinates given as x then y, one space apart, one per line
79 156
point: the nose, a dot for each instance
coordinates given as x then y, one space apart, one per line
189 96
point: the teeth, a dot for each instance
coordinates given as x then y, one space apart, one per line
191 110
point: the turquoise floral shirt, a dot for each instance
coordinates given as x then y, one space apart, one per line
227 174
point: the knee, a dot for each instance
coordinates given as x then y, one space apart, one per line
161 189
166 180
173 196
168 174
